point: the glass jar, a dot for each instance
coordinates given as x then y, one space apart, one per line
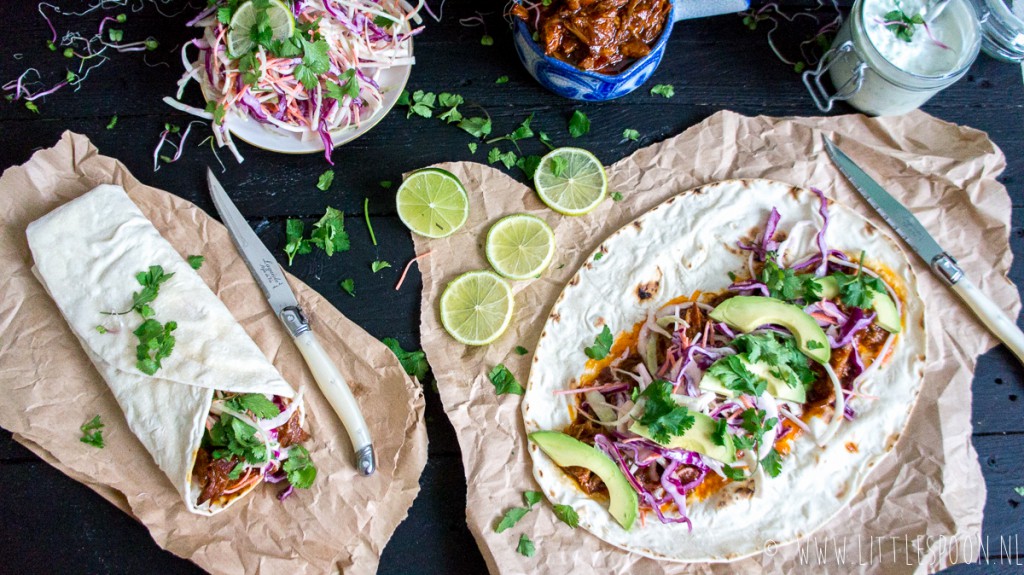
881 74
1003 29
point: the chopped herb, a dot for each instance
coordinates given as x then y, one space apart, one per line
378 265
217 110
598 256
383 21
323 183
859 290
526 547
546 140
811 289
782 283
733 473
508 158
314 62
115 35
155 344
366 216
347 86
529 165
772 463
296 244
92 432
329 232
616 196
196 262
486 40
663 90
630 134
150 281
602 345
421 104
501 80
1019 490
558 166
112 122
579 124
522 132
902 25
504 382
733 373
31 107
237 471
299 468
721 431
349 285
472 147
511 517
231 437
413 362
102 330
532 498
663 417
255 403
476 126
566 514
386 184
520 350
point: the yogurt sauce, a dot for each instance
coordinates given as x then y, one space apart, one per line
922 55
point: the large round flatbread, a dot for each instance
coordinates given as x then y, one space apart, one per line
688 243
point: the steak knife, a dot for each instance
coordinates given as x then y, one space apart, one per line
271 279
924 245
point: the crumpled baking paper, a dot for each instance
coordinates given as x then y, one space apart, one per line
50 388
921 509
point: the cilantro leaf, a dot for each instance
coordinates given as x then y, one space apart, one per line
526 547
508 158
734 375
566 514
734 473
559 165
501 80
112 122
383 21
1019 490
378 265
329 232
664 90
349 285
721 429
602 345
859 290
598 256
504 382
296 244
546 140
325 180
115 35
616 196
529 165
782 283
196 262
532 497
421 104
511 517
772 463
520 350
256 403
630 134
217 110
579 124
476 126
486 40
299 467
472 147
92 433
413 362
155 344
663 417
100 329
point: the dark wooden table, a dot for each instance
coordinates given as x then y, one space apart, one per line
51 524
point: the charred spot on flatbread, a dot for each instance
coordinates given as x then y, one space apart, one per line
648 289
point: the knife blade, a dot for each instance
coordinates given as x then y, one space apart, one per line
908 227
271 279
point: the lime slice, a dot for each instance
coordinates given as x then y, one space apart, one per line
570 181
520 246
432 203
247 17
476 307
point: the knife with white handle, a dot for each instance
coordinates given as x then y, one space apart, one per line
272 281
924 245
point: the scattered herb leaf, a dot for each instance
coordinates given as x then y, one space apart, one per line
323 183
196 262
602 345
504 382
92 432
630 134
413 362
526 547
349 285
378 265
663 90
511 517
579 124
566 514
112 122
520 350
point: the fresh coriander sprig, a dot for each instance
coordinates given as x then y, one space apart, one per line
92 433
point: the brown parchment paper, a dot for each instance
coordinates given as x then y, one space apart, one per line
50 388
932 486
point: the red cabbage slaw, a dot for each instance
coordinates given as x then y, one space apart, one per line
278 100
669 349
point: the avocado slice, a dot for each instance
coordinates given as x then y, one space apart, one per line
567 451
698 438
747 313
888 317
776 387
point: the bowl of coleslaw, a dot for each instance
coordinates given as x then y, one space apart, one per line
298 76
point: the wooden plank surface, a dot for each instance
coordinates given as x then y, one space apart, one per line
49 523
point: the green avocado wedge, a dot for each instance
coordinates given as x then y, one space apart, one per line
888 317
698 438
747 313
568 451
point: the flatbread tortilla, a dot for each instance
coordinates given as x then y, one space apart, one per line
87 253
685 244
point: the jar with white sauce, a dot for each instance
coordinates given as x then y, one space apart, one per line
880 73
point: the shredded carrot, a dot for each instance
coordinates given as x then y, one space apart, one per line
409 265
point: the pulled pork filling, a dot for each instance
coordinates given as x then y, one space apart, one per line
599 35
240 448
